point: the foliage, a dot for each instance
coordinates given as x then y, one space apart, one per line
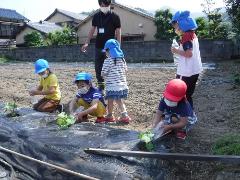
233 10
216 28
236 78
63 37
147 138
64 121
227 145
4 59
202 30
33 39
164 28
11 109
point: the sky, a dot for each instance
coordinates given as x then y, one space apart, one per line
37 10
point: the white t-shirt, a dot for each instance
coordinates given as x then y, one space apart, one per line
190 66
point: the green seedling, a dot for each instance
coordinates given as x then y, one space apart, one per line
227 145
64 121
11 109
236 78
147 138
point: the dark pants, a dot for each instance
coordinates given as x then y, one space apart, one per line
99 59
46 105
191 84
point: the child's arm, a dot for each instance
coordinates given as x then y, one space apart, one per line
157 118
34 92
90 110
51 90
105 68
72 105
187 53
182 123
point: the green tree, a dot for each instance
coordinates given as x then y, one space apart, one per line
202 30
63 37
233 10
33 39
216 30
162 21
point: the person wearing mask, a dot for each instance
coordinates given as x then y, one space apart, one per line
108 26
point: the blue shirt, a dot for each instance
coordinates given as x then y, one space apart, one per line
92 94
183 109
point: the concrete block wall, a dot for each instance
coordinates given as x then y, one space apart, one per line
150 51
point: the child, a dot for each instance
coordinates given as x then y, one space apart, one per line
89 98
174 109
48 86
189 65
114 72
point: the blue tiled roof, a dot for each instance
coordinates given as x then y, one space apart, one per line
11 14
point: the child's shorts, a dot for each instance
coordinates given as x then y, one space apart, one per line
46 105
168 119
99 112
122 94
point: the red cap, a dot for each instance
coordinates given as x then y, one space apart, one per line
175 90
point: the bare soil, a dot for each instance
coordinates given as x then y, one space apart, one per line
216 101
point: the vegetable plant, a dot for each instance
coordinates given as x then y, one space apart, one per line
147 138
64 121
11 109
227 145
236 78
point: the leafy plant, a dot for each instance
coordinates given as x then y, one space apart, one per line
164 28
147 138
64 120
33 39
11 109
4 59
227 145
63 37
236 78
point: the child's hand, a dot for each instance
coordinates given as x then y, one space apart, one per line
32 92
174 50
79 116
166 128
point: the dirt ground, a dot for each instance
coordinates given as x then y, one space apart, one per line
216 101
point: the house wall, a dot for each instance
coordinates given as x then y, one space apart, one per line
130 23
20 36
83 30
58 17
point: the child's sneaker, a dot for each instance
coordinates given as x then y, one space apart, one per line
110 118
181 135
59 108
124 120
100 120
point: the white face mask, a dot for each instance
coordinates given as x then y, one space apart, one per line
83 90
105 10
45 75
170 103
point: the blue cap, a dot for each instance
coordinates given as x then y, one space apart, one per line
83 76
41 65
114 48
186 22
176 16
